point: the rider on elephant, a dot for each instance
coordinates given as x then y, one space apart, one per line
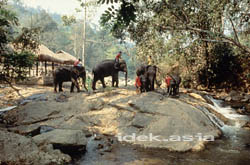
78 62
117 58
150 60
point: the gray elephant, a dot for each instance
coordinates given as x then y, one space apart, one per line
144 83
149 76
107 68
173 87
64 74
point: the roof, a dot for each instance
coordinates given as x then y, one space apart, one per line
44 54
65 57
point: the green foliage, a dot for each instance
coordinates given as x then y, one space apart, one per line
68 20
14 63
223 68
119 19
185 33
7 20
28 39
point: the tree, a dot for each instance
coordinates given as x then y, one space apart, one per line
203 20
185 30
15 62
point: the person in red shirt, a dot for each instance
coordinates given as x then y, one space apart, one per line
168 82
137 82
77 63
117 58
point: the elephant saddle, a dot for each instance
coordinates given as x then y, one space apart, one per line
167 80
137 82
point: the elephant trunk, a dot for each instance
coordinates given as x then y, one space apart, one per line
126 78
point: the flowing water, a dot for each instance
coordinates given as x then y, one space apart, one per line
233 148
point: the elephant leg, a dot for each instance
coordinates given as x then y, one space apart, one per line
55 86
153 84
74 83
72 87
147 86
60 86
94 83
103 83
150 85
116 80
177 89
113 81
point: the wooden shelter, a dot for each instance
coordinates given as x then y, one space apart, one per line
66 57
45 55
61 57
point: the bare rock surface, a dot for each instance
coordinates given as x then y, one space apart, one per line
17 149
116 112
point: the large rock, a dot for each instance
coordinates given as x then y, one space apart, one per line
177 125
68 141
120 112
17 149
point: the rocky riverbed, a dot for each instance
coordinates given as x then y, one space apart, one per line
57 128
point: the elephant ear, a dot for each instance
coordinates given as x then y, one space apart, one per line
75 70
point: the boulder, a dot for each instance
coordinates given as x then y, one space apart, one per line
176 126
197 96
68 141
246 98
236 96
96 104
17 149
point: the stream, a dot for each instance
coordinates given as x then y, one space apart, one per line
233 148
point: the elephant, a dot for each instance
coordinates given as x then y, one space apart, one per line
151 76
173 87
144 83
141 70
107 68
149 73
64 74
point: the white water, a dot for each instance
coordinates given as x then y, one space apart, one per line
236 120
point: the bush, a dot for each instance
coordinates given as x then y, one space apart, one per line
15 65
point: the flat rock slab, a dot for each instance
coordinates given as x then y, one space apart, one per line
17 149
35 97
176 125
68 141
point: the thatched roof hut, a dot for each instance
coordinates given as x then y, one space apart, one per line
44 54
66 57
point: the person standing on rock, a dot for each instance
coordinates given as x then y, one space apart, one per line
137 84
